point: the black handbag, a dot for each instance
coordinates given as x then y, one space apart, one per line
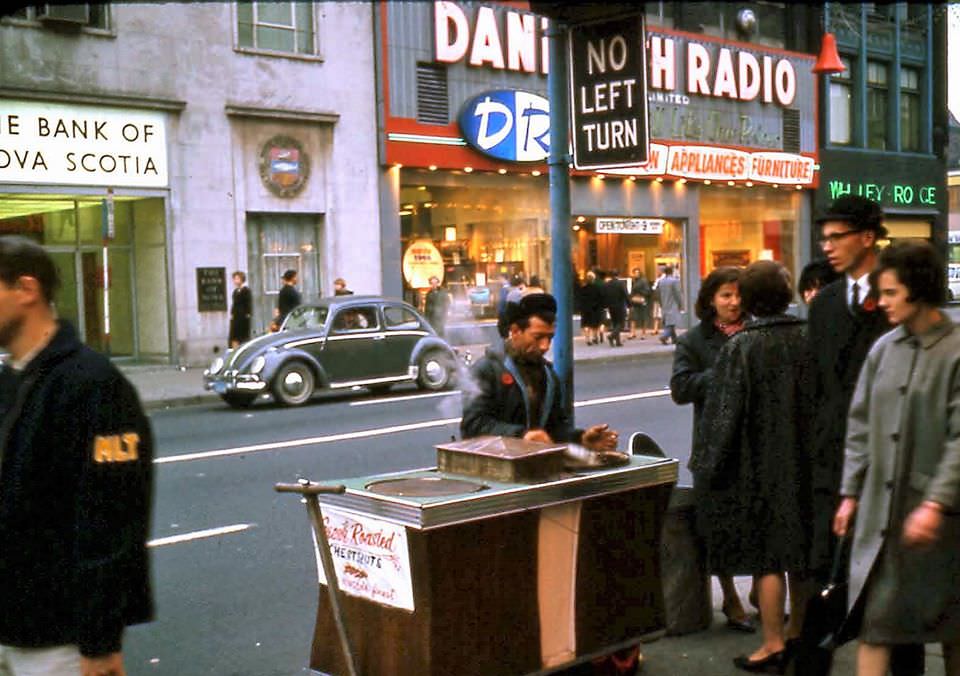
824 624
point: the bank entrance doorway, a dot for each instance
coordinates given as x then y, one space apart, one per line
114 289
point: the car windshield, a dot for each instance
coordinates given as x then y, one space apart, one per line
306 317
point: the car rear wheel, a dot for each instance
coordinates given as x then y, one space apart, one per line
436 370
294 383
239 400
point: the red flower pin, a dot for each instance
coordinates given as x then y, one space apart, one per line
507 379
869 305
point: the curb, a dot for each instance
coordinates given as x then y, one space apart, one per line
209 397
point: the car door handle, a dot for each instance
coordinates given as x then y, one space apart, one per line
380 337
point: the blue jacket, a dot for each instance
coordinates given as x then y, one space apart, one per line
495 402
75 498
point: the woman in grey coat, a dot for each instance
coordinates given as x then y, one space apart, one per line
901 472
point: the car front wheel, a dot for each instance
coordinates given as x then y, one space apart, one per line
294 383
436 370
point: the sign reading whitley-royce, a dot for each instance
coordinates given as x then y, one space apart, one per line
608 94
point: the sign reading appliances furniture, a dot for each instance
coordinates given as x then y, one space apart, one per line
48 143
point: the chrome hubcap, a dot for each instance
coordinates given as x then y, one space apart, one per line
293 383
435 371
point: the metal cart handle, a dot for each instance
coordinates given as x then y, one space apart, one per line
309 488
310 491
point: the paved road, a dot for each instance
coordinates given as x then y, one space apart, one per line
234 568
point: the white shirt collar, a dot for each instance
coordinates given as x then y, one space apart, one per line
863 287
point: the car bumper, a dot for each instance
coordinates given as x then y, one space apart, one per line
238 383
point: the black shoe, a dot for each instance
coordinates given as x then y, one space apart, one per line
774 663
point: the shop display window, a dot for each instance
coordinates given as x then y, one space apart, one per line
483 231
740 226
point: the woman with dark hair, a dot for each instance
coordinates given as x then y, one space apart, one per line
901 472
755 461
718 309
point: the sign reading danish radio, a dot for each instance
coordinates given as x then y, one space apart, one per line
608 94
370 556
630 226
421 261
509 125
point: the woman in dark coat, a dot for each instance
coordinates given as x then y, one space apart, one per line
241 309
718 308
755 428
591 309
901 470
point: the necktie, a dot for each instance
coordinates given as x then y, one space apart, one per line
856 296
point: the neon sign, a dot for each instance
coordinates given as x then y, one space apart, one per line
893 193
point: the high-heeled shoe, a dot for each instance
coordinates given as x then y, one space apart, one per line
745 624
774 663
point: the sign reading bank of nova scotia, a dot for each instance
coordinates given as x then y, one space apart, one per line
608 94
511 125
51 143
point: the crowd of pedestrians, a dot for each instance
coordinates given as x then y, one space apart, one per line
832 444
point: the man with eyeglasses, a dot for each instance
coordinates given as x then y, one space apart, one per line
844 322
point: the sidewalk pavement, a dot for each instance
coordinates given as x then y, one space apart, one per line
168 386
711 652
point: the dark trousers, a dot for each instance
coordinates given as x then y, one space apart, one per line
617 320
669 333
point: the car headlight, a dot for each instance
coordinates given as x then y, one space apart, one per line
258 363
216 366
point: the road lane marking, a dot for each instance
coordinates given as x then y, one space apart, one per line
408 397
622 397
366 434
199 535
294 443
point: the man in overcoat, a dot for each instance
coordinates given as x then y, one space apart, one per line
844 322
671 304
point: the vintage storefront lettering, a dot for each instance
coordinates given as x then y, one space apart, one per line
42 143
896 194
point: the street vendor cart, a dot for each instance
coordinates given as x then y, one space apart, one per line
463 569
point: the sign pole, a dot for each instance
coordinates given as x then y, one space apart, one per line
559 160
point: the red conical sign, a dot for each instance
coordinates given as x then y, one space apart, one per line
829 60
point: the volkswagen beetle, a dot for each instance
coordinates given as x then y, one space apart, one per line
338 343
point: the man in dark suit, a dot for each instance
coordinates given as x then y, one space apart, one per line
240 310
615 300
844 322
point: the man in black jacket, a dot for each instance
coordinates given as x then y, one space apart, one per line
75 490
844 323
517 393
615 300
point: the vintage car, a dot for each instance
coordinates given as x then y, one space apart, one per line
337 342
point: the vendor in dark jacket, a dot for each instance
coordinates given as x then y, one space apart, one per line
517 393
75 490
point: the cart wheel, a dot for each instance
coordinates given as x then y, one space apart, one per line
238 400
294 383
436 370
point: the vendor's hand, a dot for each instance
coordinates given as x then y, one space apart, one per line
843 519
922 527
538 435
105 665
600 438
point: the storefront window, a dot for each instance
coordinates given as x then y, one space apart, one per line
877 105
841 106
909 109
739 226
485 228
113 290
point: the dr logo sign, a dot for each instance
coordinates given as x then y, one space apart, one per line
509 125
